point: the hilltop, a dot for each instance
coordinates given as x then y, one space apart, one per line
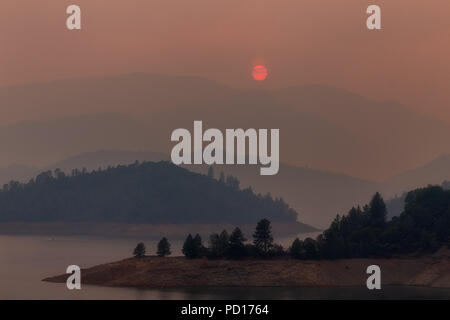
321 127
150 192
317 195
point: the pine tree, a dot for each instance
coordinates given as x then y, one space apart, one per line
219 244
377 211
163 248
237 247
139 251
188 250
295 251
310 247
193 247
262 238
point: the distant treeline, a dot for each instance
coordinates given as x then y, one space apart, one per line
396 204
223 245
149 192
423 226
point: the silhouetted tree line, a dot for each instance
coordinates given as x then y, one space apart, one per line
163 249
423 226
147 193
396 204
234 246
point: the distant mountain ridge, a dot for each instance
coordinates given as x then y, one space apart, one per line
318 196
105 158
322 127
323 130
433 172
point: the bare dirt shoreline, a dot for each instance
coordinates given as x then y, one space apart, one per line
155 272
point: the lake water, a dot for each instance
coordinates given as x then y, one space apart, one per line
26 260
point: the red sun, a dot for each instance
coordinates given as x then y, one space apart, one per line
259 73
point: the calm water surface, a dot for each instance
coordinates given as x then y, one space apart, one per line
26 260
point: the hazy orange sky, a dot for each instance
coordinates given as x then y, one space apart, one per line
299 41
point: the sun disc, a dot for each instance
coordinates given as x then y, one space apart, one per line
259 73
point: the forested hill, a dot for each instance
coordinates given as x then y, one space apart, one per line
423 226
151 192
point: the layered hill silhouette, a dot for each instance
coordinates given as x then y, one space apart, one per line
436 172
316 195
433 172
85 160
151 192
132 94
41 143
321 127
323 130
396 204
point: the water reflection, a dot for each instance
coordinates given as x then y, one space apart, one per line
25 260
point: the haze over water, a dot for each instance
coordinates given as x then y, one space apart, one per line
26 260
